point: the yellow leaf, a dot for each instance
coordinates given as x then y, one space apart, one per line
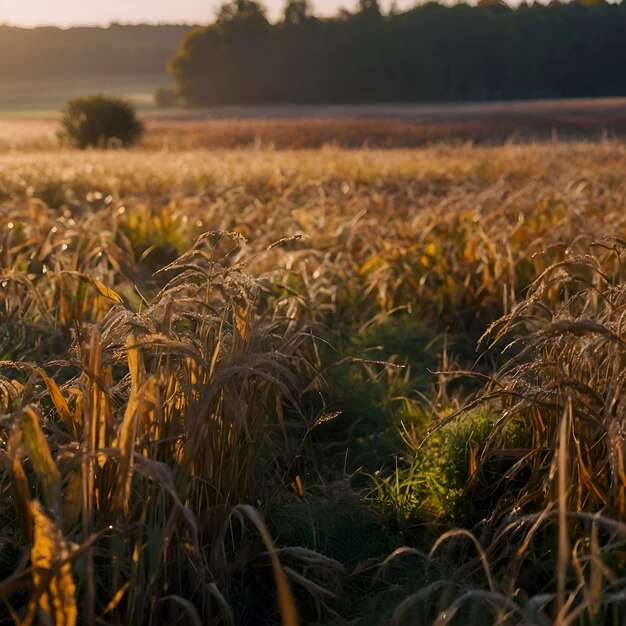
59 401
39 452
372 264
242 318
299 486
100 287
431 249
55 593
116 598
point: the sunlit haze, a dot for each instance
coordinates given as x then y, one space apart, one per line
95 12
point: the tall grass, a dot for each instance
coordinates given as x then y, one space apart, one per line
207 357
152 442
563 491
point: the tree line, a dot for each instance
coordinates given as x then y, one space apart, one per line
429 53
56 54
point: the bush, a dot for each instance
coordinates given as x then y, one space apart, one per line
100 120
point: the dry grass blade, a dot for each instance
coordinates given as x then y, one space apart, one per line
20 489
496 600
481 552
288 608
127 430
562 495
401 552
191 614
423 595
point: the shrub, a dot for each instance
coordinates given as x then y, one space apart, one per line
100 120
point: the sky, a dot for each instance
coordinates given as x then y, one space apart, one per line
102 12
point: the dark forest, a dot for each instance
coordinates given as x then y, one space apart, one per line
430 53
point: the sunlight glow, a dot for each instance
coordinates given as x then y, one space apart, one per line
95 12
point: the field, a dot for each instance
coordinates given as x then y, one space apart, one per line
326 386
297 127
44 98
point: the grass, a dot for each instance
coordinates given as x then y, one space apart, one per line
46 97
34 125
178 130
249 386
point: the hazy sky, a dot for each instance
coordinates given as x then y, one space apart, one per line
69 12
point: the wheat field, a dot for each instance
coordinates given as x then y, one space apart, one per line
331 386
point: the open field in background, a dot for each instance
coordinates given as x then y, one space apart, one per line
44 98
376 126
194 339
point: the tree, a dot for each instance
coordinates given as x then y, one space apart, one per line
296 12
241 11
369 8
430 52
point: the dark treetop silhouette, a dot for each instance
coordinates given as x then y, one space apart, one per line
431 53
